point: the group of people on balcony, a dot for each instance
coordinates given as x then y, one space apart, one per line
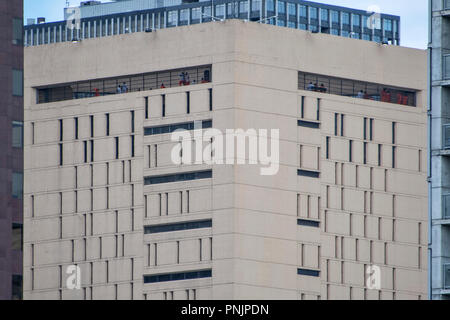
316 87
122 88
400 98
184 79
385 95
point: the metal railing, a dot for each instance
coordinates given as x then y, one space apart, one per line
446 278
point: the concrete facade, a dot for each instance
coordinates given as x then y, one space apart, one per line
365 210
11 146
438 124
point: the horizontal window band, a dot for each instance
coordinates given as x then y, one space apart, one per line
206 124
124 84
307 173
356 89
171 227
308 124
308 272
189 275
178 177
308 223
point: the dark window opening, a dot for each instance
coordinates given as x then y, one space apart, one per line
163 112
210 100
146 107
107 124
327 148
92 125
356 89
179 177
119 85
308 124
191 225
308 223
61 154
188 102
76 128
205 124
308 272
178 276
307 173
85 151
117 147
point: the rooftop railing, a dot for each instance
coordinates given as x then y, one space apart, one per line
124 84
356 89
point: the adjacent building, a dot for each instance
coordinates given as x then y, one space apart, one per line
11 146
439 142
94 19
345 217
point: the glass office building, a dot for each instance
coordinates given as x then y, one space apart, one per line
94 19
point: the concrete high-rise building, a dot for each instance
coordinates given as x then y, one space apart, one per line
346 212
93 19
439 142
11 146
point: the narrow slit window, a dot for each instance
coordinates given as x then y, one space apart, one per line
107 124
188 102
210 99
146 107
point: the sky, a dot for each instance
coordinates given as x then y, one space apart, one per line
413 13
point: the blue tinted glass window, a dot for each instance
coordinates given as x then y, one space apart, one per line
303 12
334 16
281 7
291 9
270 5
356 21
313 13
281 23
302 26
220 10
387 24
324 14
256 5
196 13
345 18
243 7
307 272
291 24
334 32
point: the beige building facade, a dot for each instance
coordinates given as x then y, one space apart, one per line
102 193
